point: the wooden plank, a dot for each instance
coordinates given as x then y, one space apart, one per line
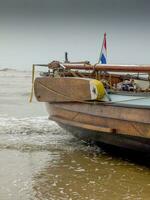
48 89
121 126
110 111
81 125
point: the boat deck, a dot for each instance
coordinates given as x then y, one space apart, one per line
130 100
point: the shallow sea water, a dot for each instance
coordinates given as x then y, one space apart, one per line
41 161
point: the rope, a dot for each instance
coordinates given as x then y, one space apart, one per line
32 89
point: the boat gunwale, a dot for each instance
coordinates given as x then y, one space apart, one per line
115 104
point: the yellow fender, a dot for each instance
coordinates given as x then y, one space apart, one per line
97 90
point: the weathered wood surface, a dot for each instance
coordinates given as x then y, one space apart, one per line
118 120
49 89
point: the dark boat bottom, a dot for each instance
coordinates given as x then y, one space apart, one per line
126 143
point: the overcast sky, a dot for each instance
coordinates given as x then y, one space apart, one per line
39 31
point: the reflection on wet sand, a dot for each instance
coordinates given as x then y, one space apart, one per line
88 175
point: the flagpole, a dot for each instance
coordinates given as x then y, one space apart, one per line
100 52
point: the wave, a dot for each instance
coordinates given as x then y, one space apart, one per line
40 125
36 134
25 94
7 69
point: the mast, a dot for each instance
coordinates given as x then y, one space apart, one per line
112 68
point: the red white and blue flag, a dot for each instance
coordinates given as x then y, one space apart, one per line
103 54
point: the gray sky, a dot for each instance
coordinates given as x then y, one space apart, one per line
39 31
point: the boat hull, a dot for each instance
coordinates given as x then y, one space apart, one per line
123 126
123 141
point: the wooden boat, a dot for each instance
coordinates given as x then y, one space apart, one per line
88 101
